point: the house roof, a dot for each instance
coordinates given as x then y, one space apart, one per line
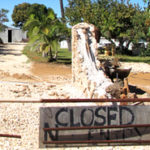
10 28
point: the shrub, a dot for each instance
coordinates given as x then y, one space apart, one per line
145 51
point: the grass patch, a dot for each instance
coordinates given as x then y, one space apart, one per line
125 58
64 56
34 56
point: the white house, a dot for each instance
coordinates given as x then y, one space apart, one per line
63 44
66 44
11 35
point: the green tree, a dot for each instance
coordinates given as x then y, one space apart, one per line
3 18
119 20
78 11
146 52
38 10
125 23
147 22
22 12
44 33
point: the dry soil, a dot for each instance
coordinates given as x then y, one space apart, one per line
23 79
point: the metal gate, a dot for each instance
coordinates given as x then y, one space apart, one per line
125 124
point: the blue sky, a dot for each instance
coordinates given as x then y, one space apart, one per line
9 4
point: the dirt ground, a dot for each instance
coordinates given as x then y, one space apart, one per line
21 79
140 80
46 71
16 68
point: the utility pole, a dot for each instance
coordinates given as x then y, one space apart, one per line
68 39
62 10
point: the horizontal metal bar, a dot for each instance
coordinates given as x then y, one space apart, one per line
10 136
76 100
20 101
99 127
94 100
98 141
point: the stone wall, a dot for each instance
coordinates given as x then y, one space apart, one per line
85 66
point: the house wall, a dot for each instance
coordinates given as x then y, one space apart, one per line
17 35
4 36
63 44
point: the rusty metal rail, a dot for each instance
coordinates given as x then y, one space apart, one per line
76 100
99 127
99 141
94 100
10 136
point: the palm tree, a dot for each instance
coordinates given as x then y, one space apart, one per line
44 33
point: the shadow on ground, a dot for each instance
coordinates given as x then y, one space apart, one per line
134 89
8 52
